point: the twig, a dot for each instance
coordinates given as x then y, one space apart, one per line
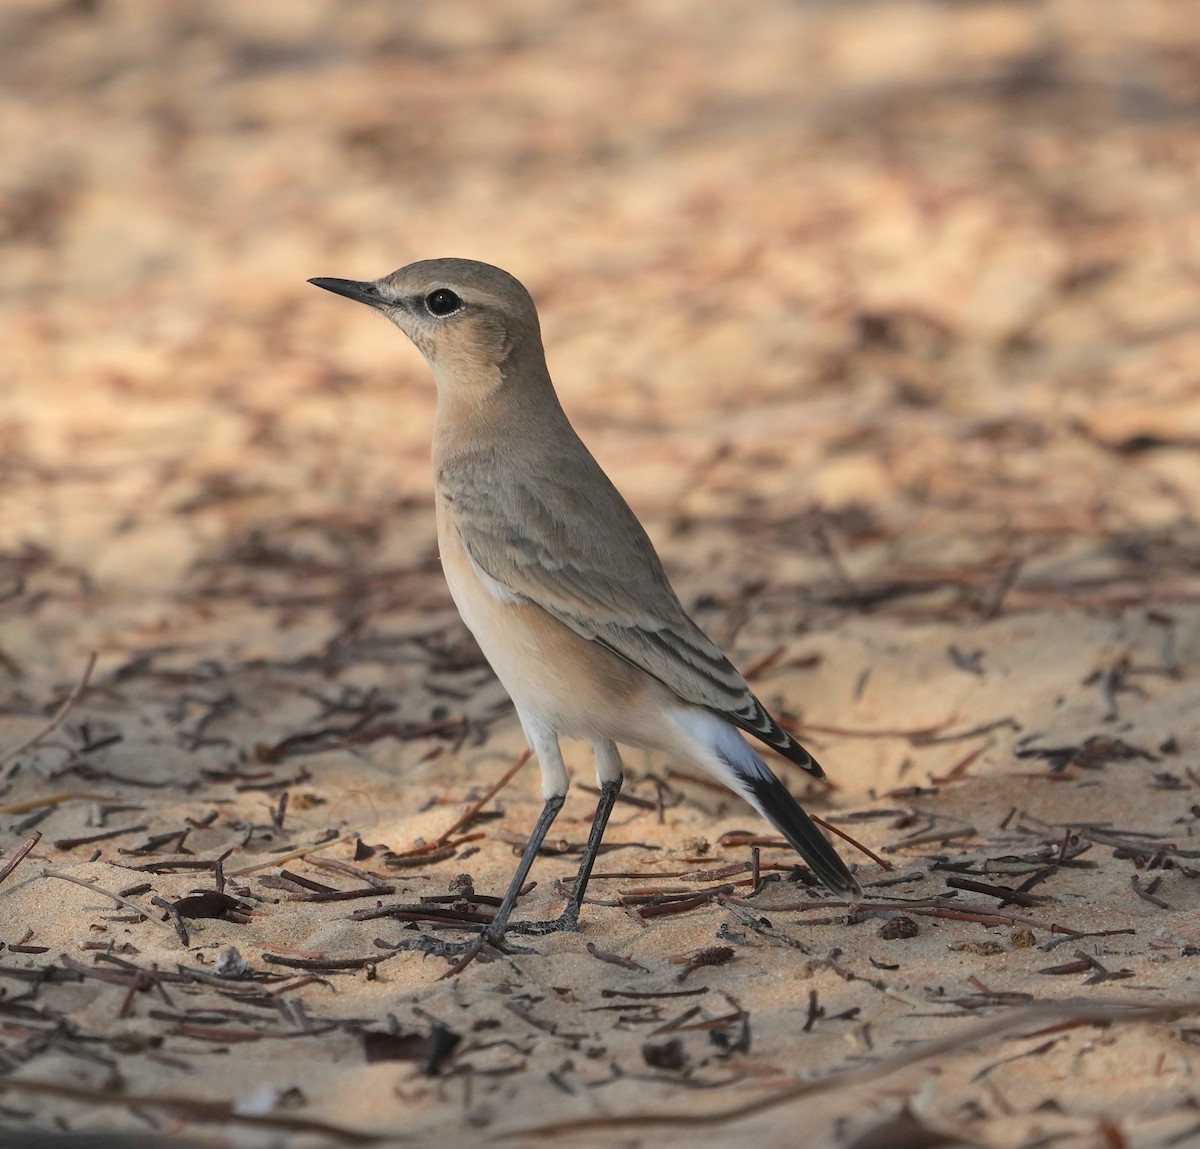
925 837
340 867
754 920
1005 893
920 732
1067 1010
853 842
55 799
96 889
1146 893
19 856
989 607
326 963
197 1108
661 905
927 907
279 859
614 959
761 665
820 533
472 810
103 836
174 917
60 714
935 738
407 913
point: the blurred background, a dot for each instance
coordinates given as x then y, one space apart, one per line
852 294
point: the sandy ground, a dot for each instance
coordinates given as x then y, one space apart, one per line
886 319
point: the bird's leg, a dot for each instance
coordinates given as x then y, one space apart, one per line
608 799
609 774
499 923
544 743
569 918
493 933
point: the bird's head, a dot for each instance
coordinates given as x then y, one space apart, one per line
470 320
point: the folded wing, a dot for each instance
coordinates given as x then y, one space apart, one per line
543 541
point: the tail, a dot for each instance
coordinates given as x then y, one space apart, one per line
754 719
718 746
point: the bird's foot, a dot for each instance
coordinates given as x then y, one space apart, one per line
464 952
485 943
566 922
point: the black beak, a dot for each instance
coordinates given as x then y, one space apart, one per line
358 290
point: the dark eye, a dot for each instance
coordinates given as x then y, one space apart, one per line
443 301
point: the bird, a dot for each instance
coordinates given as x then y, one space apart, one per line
559 583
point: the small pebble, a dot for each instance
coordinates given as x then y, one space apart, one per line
898 927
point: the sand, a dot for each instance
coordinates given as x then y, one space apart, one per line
884 317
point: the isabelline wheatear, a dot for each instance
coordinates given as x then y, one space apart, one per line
557 580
